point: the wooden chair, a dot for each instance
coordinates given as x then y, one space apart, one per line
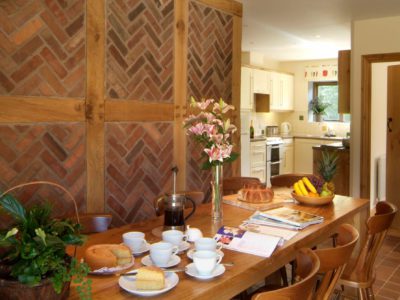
333 260
93 223
359 272
232 185
196 196
307 268
287 180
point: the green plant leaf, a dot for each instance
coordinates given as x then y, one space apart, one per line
13 207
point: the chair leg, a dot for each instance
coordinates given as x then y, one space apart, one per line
362 294
284 277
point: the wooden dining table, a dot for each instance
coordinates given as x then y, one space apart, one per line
247 269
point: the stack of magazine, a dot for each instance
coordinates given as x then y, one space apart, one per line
284 217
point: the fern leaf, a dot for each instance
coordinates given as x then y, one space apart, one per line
13 207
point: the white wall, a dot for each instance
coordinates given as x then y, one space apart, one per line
378 120
368 37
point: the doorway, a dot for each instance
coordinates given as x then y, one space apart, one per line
366 107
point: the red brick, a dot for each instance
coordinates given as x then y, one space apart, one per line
27 31
53 62
54 27
53 164
77 58
54 44
52 80
75 25
55 9
27 68
7 84
26 13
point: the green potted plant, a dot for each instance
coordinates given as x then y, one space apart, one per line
318 108
34 263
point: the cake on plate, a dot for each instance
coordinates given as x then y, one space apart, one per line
150 278
255 193
107 255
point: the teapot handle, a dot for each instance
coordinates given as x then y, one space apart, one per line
193 208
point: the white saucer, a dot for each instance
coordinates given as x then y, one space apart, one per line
129 284
175 259
183 246
191 251
145 248
192 271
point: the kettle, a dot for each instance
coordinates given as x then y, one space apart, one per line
286 128
173 205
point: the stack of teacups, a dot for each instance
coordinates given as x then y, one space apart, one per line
134 240
206 258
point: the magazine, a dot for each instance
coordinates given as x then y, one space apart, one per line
237 239
285 234
291 216
259 219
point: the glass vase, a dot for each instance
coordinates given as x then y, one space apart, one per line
216 193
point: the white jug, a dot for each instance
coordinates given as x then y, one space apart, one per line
286 128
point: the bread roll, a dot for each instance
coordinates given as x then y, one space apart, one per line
255 194
107 255
150 278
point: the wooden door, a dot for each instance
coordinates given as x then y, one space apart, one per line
393 140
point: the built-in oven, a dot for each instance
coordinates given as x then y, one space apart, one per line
274 157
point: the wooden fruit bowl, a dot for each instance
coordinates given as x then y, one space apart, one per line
313 200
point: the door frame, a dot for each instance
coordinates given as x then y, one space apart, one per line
366 80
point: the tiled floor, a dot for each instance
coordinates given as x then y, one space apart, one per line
387 284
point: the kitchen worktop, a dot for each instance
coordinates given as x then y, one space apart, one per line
258 138
300 136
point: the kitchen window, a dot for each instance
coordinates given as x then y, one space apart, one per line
327 91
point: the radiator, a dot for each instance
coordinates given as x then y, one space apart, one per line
381 178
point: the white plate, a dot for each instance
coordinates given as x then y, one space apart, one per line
175 259
129 284
145 248
108 271
192 271
191 251
183 246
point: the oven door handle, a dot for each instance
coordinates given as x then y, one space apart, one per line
276 146
276 162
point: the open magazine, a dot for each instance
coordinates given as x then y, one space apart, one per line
290 216
237 239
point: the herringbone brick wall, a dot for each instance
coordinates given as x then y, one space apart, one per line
42 48
209 53
209 75
139 158
140 48
53 152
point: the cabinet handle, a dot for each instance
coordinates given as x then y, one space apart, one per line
389 122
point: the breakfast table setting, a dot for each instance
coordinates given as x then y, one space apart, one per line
195 266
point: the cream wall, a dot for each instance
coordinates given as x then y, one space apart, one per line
368 37
301 94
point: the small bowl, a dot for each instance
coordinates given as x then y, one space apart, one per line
313 200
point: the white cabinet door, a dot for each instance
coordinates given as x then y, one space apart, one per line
286 166
303 154
261 81
281 92
287 92
258 158
246 94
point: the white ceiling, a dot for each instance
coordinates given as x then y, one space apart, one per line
286 30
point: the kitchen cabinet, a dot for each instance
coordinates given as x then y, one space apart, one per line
303 153
342 176
258 160
261 81
287 155
344 81
246 94
282 92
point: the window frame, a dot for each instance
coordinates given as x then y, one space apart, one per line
315 86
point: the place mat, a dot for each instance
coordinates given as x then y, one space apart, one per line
281 196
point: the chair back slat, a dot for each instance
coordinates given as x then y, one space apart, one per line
231 185
333 260
287 180
307 268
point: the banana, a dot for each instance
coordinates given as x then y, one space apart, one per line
302 188
297 189
309 185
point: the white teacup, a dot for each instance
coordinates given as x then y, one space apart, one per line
175 237
193 234
134 240
161 252
205 261
207 243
